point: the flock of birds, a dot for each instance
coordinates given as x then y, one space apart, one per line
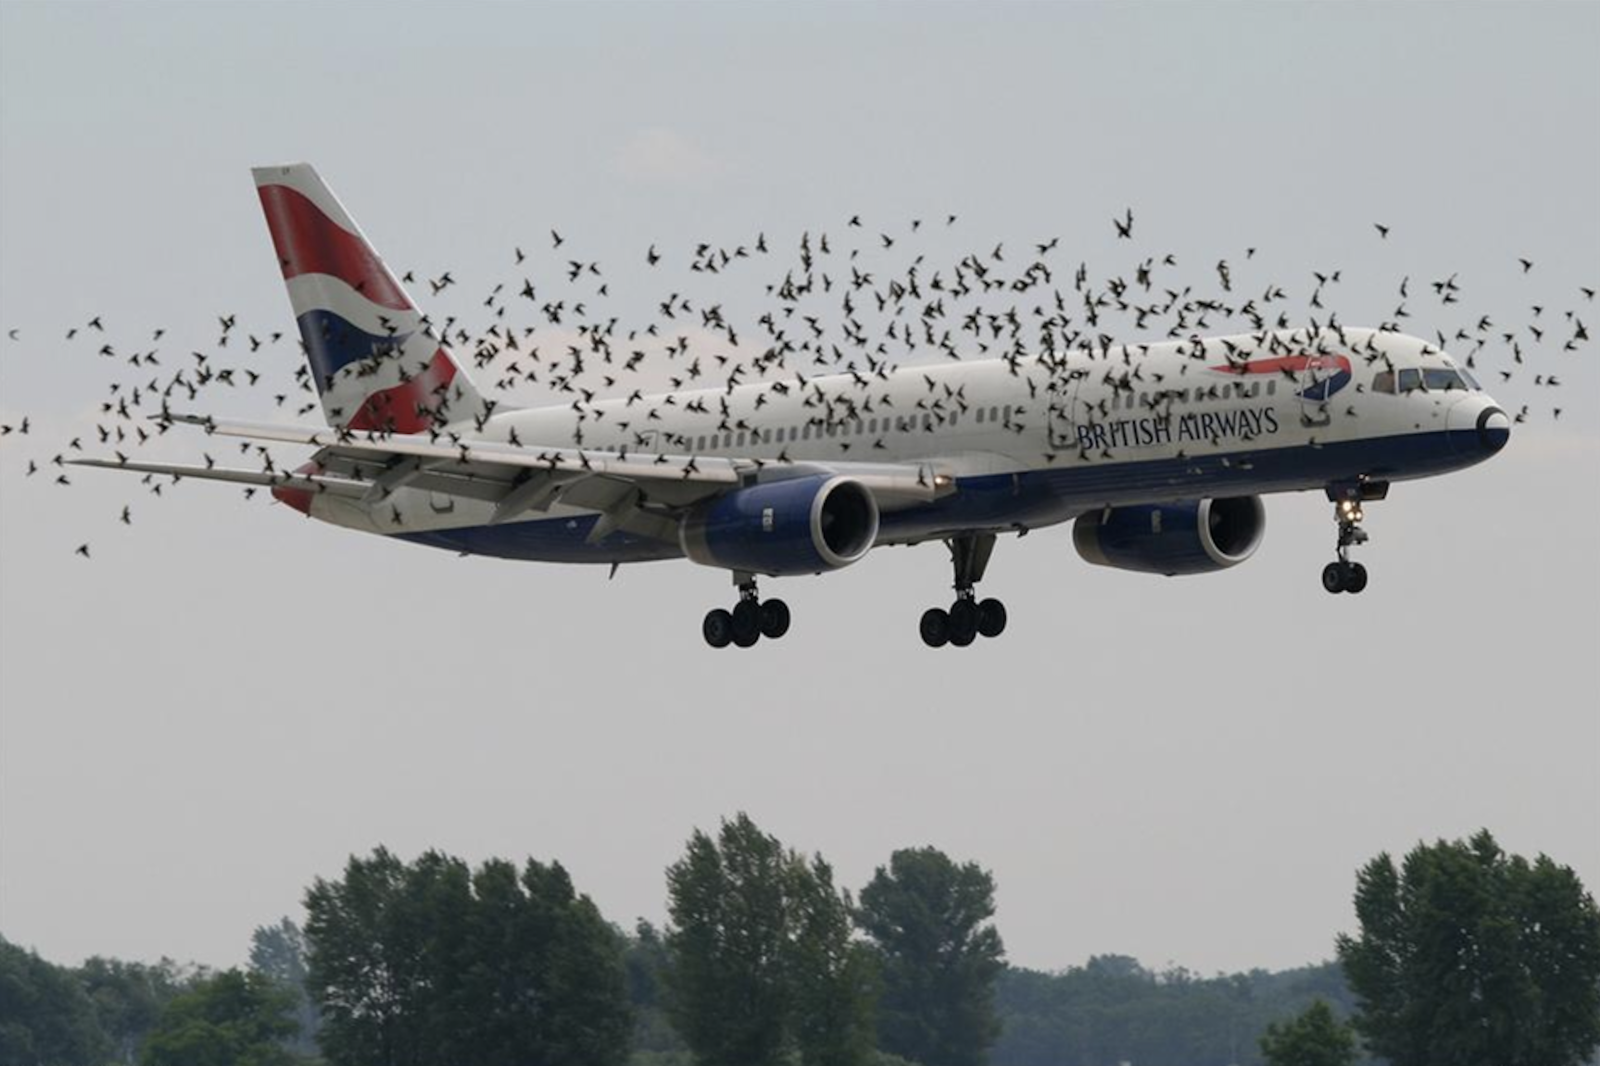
837 317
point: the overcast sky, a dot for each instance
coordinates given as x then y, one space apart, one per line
227 700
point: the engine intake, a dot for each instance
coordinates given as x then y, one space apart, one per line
1189 537
800 525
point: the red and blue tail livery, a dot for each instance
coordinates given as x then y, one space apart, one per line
1160 469
374 364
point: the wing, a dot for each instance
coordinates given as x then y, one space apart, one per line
638 490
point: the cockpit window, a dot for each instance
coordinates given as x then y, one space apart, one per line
1383 382
1442 379
1410 379
1472 382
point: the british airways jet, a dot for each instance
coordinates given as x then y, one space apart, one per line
1159 453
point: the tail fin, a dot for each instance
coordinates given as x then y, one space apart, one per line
375 364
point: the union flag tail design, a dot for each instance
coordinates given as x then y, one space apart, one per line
375 364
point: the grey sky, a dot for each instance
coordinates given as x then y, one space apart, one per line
229 700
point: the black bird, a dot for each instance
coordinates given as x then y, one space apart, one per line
1527 264
1383 231
83 550
556 238
1124 227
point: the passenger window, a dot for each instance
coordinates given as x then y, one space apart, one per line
1410 380
980 416
1272 387
1255 389
994 414
805 431
1384 382
741 438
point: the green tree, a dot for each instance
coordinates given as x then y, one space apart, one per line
940 957
232 1019
761 961
1314 1038
429 962
128 997
278 952
1467 955
728 983
46 1018
833 976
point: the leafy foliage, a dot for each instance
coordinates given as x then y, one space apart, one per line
1468 955
432 962
1315 1038
930 921
278 953
1115 1010
45 1014
231 1019
761 958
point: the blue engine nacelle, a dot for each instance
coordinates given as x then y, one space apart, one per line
798 525
1190 537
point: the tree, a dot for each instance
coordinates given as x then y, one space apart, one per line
940 957
128 997
278 953
1467 955
762 965
232 1019
729 993
1314 1038
46 1018
431 962
833 976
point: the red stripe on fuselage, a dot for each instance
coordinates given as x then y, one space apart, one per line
409 407
309 242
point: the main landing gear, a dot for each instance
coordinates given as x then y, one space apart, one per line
968 618
751 618
1342 575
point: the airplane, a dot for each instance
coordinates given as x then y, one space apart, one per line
1159 453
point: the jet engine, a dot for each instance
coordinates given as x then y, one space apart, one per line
1188 537
798 525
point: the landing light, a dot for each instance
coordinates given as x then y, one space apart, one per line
942 480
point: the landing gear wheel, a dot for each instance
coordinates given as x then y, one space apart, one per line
1355 579
774 619
717 628
1333 577
935 627
963 623
746 623
991 618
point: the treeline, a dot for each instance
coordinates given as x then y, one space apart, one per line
1465 954
1113 1010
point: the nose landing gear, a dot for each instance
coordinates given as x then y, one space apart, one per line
968 617
751 618
1342 575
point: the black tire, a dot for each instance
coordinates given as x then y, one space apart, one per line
717 628
746 623
991 618
963 623
1333 577
774 619
935 627
1356 579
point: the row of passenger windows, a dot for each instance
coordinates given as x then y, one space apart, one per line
843 429
1127 401
1440 379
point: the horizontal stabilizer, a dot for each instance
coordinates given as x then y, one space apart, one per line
263 478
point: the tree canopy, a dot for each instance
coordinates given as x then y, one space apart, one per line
1468 955
1313 1038
431 962
761 960
929 919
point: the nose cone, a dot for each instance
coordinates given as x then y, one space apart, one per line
1494 429
1478 428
